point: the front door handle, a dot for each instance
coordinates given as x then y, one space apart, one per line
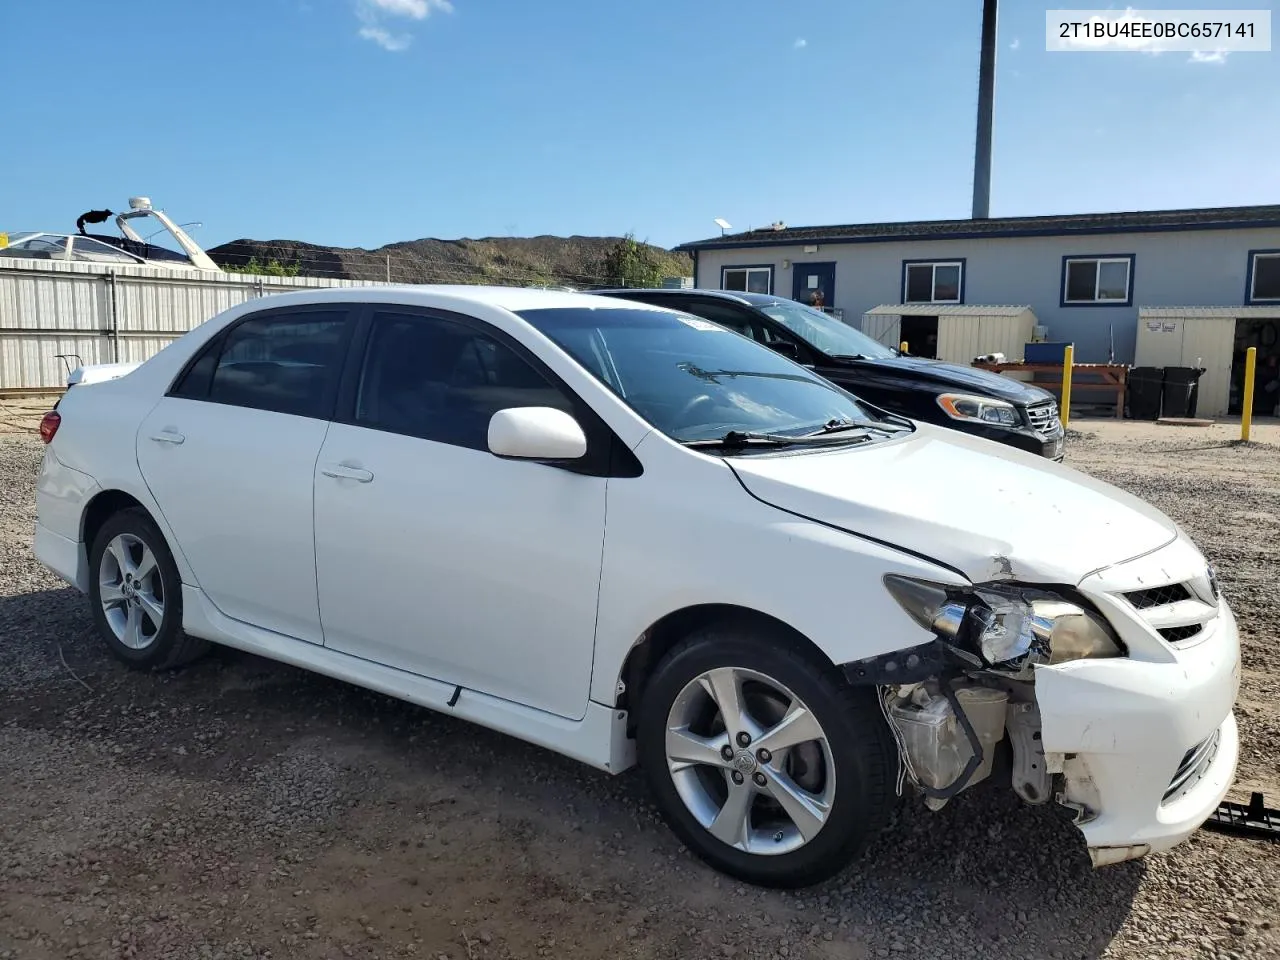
168 436
342 471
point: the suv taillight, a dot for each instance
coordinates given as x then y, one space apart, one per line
49 424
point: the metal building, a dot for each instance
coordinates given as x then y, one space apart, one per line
955 332
1212 338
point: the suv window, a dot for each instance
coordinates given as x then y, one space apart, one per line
285 362
737 320
443 380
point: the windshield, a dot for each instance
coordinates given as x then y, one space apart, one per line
833 337
693 379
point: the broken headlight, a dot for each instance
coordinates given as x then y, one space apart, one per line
962 406
1005 627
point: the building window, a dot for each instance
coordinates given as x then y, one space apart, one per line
1097 280
1264 276
747 279
932 281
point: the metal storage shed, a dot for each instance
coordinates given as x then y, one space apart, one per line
1196 337
964 330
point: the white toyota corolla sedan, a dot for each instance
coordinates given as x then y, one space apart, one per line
628 534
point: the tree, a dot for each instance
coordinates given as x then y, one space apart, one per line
272 268
633 264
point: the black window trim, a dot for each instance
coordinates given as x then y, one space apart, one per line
606 456
219 339
1251 279
1097 258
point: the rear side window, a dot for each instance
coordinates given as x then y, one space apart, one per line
442 380
285 362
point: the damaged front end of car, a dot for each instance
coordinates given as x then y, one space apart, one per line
951 702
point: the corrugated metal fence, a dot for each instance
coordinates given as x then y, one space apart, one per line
109 314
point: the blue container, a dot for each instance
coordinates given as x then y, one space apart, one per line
1044 352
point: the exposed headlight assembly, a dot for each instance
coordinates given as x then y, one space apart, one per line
962 406
1005 627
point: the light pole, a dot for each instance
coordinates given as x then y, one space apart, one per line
986 104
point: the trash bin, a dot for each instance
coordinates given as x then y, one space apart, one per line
1144 387
1181 389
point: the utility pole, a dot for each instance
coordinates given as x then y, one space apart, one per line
986 105
388 268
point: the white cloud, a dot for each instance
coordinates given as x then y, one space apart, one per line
1208 56
373 12
800 43
1017 42
395 42
414 9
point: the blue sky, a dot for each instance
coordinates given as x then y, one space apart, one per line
361 122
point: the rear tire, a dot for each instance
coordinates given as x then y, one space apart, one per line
789 816
136 594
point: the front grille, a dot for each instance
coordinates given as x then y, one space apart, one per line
1044 419
1195 763
1158 596
1178 634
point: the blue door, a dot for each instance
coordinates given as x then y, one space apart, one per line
814 284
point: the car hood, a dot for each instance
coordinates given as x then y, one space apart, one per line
989 511
954 376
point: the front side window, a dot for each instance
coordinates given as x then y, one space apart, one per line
443 380
281 362
1264 287
1097 280
747 279
833 337
932 282
693 379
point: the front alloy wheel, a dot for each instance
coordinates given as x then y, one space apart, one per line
750 761
761 758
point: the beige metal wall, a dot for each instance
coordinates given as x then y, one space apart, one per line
883 328
1190 341
960 338
107 314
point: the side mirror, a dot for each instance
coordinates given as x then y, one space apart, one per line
786 348
536 433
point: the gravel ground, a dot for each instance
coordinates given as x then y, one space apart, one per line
241 808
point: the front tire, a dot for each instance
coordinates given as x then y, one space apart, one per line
136 594
763 760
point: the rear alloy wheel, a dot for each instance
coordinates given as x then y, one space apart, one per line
766 764
136 594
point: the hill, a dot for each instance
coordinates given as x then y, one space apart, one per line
553 261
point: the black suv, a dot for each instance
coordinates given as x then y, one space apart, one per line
963 398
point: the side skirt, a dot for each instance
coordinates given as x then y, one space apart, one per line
599 739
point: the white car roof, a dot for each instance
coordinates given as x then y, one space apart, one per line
508 298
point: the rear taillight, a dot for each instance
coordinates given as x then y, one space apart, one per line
49 424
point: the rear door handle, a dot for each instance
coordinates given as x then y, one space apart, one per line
341 471
168 436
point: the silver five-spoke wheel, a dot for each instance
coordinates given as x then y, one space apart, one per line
131 591
750 761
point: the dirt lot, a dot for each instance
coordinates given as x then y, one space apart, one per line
245 809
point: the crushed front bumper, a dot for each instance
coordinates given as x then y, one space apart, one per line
1147 750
